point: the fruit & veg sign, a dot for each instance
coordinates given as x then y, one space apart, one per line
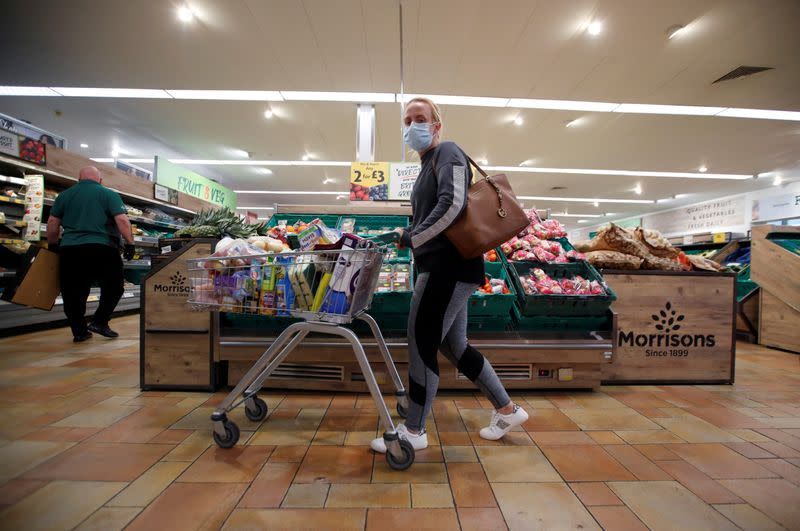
186 181
382 181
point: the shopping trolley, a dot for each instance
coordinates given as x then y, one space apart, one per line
327 287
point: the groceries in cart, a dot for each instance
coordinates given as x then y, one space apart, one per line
540 283
314 271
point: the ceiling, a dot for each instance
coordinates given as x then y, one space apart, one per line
523 48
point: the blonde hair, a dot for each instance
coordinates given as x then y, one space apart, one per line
436 113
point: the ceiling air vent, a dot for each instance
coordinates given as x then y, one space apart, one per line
507 371
743 71
556 188
300 371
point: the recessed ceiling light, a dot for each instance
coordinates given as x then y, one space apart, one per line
563 105
225 95
685 110
680 196
568 215
357 97
665 200
638 189
328 180
482 162
265 171
185 14
778 180
583 221
341 196
306 157
255 208
462 100
584 200
84 146
527 162
27 91
674 31
761 114
80 92
114 153
572 123
702 169
596 204
287 192
268 114
595 28
518 120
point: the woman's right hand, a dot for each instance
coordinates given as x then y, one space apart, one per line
399 243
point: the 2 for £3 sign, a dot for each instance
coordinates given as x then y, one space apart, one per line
369 181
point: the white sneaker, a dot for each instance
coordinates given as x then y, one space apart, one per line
419 442
502 424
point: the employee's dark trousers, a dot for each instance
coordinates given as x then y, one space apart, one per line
81 266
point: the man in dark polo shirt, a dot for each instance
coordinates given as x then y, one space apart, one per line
93 218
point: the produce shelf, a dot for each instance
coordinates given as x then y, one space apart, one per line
155 223
146 241
6 199
11 222
11 241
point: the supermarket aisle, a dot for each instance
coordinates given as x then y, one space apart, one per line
82 446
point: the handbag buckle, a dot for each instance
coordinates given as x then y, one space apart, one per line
502 212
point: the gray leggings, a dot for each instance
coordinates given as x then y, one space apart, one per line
438 321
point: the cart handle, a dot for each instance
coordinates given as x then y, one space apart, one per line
385 238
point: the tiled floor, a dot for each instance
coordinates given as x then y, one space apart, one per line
81 446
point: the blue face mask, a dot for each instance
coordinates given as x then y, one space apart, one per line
418 136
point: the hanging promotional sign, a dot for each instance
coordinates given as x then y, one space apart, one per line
382 181
402 177
711 216
783 206
186 181
34 201
9 143
31 131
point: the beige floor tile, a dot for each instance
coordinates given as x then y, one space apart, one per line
99 416
109 519
270 486
667 505
308 495
695 430
606 437
353 495
189 506
289 454
777 498
543 506
191 448
17 457
460 454
296 519
359 438
233 465
418 473
334 438
636 463
594 494
59 505
720 462
149 485
278 437
747 517
586 463
423 519
558 438
337 464
748 435
649 437
617 518
431 496
516 464
610 419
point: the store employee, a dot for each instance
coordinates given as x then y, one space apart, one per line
93 217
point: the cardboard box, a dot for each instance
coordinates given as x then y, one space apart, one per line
39 285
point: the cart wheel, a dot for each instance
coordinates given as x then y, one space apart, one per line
231 433
402 411
407 459
260 412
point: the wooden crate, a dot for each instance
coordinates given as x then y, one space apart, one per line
779 324
704 306
331 365
176 346
774 268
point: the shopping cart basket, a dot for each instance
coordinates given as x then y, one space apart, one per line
327 287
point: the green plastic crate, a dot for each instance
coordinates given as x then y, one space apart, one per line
562 323
330 220
490 324
531 305
364 223
494 305
565 244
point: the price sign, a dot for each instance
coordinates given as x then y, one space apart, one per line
369 181
720 237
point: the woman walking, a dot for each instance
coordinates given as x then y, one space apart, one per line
438 317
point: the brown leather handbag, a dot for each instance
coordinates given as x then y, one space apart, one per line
492 216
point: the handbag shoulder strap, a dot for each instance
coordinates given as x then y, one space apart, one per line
480 170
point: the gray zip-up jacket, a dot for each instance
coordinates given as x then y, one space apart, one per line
438 198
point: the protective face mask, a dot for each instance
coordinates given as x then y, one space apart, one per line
418 136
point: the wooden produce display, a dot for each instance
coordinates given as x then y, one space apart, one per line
520 363
777 271
673 327
176 345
